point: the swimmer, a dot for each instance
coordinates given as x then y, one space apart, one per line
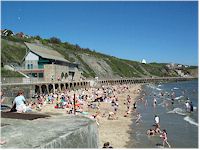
157 129
151 132
154 102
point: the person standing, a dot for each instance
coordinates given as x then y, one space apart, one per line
187 105
164 138
191 107
154 102
157 121
138 120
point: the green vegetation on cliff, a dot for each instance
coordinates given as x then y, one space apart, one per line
9 73
13 50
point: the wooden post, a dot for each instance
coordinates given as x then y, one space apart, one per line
74 104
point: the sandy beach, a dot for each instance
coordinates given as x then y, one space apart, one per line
117 131
114 131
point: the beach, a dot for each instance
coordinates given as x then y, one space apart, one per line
116 132
120 129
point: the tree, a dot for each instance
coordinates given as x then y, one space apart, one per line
37 37
55 40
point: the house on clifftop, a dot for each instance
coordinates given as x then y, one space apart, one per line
48 64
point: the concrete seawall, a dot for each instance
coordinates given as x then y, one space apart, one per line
53 132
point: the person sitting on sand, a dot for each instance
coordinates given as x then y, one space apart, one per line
112 116
164 138
20 102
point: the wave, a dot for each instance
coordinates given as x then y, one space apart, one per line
175 88
159 85
158 89
190 120
179 97
162 104
169 99
178 111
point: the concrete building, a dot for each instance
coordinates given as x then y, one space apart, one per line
48 64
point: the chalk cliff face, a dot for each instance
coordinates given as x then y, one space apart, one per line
54 132
92 64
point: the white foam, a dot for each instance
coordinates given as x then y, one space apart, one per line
169 99
159 85
190 120
158 89
178 111
179 97
162 104
175 88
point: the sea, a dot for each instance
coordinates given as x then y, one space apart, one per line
181 126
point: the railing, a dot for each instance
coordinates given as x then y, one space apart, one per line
34 81
21 80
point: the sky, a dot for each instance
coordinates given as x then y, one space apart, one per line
162 32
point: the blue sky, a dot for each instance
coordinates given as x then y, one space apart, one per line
156 31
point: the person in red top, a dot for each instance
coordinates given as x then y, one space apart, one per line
164 138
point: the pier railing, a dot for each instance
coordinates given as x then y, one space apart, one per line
38 80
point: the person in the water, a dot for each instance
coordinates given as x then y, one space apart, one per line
151 132
191 107
138 120
164 138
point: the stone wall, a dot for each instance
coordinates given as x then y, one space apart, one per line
10 91
52 71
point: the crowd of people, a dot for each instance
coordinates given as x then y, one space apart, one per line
82 100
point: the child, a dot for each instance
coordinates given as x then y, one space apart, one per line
164 138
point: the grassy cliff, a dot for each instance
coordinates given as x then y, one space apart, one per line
91 63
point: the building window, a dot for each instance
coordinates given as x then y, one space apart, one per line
41 75
28 66
31 66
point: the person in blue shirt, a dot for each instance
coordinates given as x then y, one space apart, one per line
20 102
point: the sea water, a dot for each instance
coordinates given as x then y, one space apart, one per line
181 126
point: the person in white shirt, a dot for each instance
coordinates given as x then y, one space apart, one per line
157 120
